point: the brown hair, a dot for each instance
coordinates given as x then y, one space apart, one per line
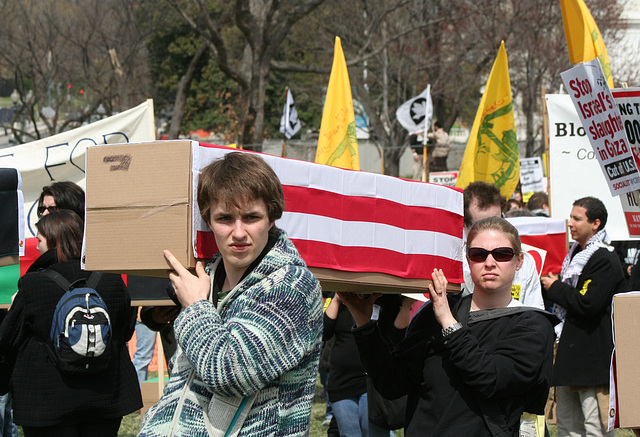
496 224
63 230
236 178
486 195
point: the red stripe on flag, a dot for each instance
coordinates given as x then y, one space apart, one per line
371 209
205 245
367 259
358 259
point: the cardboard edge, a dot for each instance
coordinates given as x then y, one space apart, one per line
368 282
9 260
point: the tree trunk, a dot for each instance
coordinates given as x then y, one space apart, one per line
392 162
183 89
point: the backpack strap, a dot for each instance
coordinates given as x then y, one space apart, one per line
57 278
92 282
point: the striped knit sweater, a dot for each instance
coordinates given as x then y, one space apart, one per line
264 338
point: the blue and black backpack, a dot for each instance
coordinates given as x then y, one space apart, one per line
81 327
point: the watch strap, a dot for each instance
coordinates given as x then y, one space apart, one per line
451 329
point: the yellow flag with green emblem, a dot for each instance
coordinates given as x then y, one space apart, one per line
583 36
337 143
491 154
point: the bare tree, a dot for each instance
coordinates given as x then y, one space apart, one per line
394 48
68 59
244 38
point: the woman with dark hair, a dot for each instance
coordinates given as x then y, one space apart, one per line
61 195
62 232
46 400
470 366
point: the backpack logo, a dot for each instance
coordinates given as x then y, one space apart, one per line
81 329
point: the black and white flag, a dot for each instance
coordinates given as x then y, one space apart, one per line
415 114
289 123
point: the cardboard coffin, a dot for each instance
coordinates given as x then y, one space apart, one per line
357 231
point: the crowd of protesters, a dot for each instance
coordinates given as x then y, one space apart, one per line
247 330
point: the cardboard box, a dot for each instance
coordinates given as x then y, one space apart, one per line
140 201
626 308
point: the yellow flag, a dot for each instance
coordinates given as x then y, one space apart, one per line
583 36
492 151
337 144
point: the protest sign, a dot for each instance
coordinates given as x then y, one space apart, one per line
628 102
574 171
601 120
447 178
532 176
61 157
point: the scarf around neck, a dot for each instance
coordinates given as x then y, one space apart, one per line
572 267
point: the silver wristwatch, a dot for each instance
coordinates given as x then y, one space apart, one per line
451 329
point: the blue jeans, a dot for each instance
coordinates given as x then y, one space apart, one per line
145 344
353 418
7 428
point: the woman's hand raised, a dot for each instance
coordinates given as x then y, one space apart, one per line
438 291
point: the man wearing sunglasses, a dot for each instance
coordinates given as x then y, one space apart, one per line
591 274
482 200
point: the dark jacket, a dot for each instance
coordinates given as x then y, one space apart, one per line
584 351
42 396
346 375
477 381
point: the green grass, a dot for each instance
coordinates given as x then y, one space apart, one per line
131 424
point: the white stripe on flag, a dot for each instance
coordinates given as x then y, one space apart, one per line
368 234
359 183
538 225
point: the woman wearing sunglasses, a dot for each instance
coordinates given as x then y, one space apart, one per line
470 366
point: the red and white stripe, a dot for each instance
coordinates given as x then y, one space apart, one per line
357 221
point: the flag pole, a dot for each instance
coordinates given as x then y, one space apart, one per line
545 131
284 135
425 172
425 158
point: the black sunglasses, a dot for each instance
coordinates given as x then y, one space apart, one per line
500 254
42 209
